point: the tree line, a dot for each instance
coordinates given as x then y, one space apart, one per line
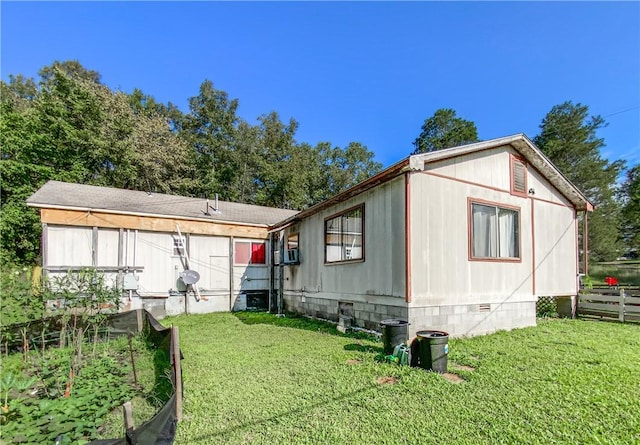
67 125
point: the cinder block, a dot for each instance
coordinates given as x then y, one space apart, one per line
454 320
358 306
447 310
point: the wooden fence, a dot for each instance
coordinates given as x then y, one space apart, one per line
620 304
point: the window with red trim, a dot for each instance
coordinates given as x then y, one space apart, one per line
249 252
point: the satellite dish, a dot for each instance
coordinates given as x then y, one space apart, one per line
189 276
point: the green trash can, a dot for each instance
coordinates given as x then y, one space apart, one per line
394 333
432 349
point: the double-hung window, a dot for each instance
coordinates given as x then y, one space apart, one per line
494 232
178 245
344 236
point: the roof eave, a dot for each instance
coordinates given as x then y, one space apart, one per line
153 215
380 178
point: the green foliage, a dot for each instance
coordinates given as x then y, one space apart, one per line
630 198
37 407
444 130
69 127
568 137
21 302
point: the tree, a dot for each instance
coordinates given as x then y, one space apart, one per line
444 130
69 127
210 129
569 138
630 198
280 166
344 168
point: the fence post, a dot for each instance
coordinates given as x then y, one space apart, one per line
621 306
128 423
139 319
177 370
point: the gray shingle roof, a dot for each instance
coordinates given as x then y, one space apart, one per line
80 196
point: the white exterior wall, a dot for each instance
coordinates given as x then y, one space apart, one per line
556 259
107 254
379 279
441 271
69 246
447 287
158 280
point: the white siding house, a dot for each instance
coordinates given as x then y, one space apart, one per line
144 241
463 240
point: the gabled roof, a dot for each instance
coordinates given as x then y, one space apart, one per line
519 142
527 149
64 195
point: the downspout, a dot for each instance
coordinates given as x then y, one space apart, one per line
281 275
135 252
533 247
272 266
585 244
407 235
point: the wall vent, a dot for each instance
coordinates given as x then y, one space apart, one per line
485 307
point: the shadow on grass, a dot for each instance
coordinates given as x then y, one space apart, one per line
298 322
163 387
297 412
364 348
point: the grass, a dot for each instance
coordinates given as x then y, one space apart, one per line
151 388
253 378
627 272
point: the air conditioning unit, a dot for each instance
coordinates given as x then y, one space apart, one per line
291 257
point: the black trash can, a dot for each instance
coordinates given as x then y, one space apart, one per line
394 332
432 349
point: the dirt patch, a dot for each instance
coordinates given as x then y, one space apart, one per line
386 380
462 367
354 361
453 378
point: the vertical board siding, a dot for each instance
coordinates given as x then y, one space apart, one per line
555 250
69 246
488 167
155 252
441 271
380 275
108 247
209 256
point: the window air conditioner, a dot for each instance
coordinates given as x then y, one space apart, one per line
292 257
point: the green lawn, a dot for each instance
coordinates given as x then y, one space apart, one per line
251 379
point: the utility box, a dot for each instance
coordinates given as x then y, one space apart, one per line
130 282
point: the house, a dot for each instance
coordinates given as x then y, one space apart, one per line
151 244
462 240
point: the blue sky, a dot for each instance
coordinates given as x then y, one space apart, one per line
362 71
